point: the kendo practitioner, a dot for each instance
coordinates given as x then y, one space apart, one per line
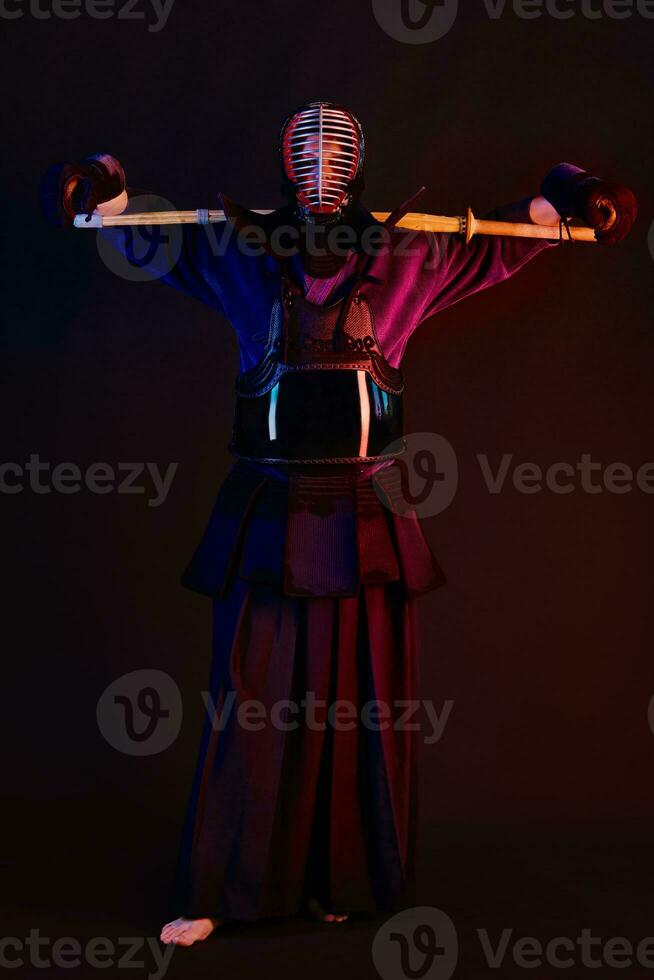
312 567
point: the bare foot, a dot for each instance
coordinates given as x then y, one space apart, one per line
321 913
185 932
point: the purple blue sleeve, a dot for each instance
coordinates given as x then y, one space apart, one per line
186 257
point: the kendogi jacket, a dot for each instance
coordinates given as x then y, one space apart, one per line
320 383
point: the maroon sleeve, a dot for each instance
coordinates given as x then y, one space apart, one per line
456 270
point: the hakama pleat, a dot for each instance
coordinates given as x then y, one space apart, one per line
306 783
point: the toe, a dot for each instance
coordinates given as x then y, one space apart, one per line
171 926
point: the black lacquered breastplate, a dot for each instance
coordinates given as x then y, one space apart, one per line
323 391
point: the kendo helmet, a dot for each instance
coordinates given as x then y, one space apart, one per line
322 152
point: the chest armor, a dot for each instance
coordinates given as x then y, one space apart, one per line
322 391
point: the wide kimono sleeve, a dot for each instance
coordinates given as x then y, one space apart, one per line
454 270
190 257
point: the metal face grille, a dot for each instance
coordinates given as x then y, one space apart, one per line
321 152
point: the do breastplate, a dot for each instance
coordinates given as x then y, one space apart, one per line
322 392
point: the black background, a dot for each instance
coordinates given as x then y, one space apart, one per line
537 803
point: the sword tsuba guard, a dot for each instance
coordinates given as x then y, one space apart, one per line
469 225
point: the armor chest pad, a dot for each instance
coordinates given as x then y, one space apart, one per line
322 391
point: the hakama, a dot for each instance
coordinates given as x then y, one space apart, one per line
317 580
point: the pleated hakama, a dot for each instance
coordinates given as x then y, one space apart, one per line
306 783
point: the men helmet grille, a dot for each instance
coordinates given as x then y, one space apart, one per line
322 154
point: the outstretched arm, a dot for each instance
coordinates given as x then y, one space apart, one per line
567 192
457 270
185 257
541 212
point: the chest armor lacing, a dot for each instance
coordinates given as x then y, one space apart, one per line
322 391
